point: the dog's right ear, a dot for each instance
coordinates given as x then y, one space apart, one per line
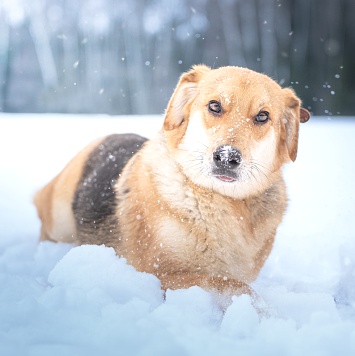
185 91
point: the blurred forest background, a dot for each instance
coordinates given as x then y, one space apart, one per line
125 56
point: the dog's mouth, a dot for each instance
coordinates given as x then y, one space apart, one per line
225 175
224 178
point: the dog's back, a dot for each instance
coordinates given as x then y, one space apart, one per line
79 203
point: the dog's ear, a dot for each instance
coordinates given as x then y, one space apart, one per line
185 91
304 115
293 115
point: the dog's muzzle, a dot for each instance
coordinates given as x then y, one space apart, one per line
226 160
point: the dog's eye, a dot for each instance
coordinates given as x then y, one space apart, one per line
215 107
262 117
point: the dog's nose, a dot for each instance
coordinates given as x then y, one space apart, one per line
227 157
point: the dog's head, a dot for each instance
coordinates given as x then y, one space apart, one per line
231 129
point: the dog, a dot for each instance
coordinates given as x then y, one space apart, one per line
199 204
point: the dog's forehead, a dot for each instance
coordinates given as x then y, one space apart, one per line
240 84
238 76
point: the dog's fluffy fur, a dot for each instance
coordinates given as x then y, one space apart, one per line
200 203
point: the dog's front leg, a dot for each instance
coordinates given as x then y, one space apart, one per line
222 285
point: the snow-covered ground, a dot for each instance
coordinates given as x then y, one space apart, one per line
58 300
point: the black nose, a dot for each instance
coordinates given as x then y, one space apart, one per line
227 157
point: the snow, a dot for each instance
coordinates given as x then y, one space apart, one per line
56 299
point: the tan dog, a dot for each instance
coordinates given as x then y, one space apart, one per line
200 203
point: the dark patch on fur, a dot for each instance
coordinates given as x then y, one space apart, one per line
94 203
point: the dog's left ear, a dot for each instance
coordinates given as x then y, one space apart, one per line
185 91
293 115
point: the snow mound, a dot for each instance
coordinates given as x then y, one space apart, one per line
97 275
56 299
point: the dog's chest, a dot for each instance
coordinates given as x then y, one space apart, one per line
211 235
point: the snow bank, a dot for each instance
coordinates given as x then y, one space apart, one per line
59 300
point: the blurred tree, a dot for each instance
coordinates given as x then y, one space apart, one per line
4 59
125 56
